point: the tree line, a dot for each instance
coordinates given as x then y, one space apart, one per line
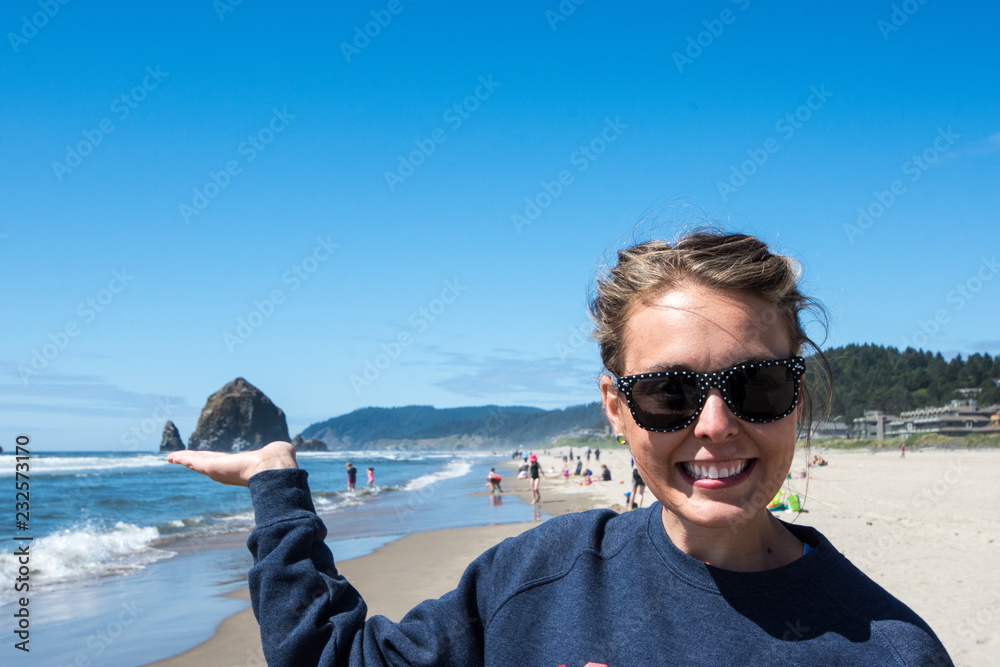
873 377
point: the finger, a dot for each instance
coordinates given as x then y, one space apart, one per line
186 457
221 467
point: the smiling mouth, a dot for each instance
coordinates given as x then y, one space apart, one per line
698 471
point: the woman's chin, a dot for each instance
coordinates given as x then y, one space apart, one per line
713 514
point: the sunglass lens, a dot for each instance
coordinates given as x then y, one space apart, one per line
665 403
763 393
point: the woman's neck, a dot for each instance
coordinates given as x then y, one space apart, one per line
762 543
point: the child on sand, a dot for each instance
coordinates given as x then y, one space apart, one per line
493 481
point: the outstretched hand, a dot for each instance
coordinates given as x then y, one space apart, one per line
236 469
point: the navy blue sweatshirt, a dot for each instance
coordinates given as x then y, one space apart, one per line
593 587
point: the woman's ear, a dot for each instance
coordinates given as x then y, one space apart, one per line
610 400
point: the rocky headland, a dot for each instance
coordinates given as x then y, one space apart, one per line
238 418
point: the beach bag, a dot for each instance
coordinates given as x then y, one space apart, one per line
793 503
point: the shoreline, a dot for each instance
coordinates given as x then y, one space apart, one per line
923 527
386 589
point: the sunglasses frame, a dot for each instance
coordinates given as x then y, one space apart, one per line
716 380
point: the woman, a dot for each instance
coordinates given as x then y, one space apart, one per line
702 341
534 470
638 489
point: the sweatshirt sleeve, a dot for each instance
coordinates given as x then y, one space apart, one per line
310 615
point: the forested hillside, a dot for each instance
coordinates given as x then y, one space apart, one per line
872 377
488 425
368 424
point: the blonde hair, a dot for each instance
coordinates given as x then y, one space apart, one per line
708 258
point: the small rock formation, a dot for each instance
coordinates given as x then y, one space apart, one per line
237 418
171 441
310 445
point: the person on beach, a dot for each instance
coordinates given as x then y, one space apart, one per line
534 471
902 451
703 343
597 454
605 473
638 489
352 476
493 481
371 477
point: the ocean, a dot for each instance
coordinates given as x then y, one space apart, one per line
131 556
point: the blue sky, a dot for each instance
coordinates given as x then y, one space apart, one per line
197 191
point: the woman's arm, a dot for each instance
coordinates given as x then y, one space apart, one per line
308 613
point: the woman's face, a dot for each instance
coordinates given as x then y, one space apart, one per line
700 329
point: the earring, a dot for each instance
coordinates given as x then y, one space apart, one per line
620 438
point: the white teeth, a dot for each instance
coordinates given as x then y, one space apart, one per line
697 471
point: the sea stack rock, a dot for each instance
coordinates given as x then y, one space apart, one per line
310 445
237 418
171 438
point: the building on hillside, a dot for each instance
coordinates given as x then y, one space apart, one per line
872 425
960 417
835 428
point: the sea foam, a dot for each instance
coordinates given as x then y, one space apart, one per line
49 465
85 551
452 470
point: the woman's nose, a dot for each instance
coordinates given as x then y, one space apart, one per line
716 421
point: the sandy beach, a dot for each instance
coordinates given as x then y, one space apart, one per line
924 527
